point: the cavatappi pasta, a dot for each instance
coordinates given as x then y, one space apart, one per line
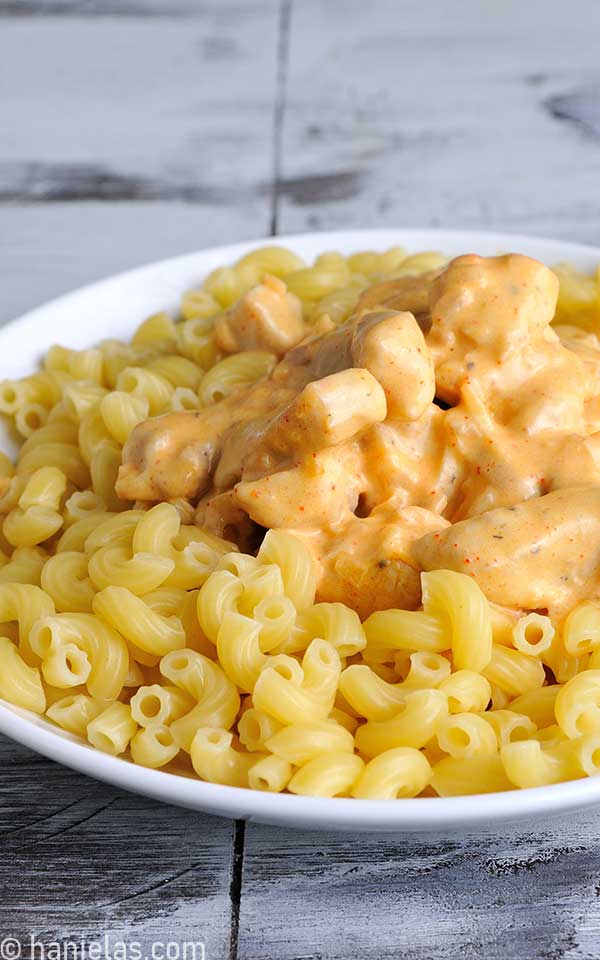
376 654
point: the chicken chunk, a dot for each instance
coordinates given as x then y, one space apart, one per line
367 563
543 553
485 310
268 317
328 411
391 345
320 489
409 293
170 456
315 388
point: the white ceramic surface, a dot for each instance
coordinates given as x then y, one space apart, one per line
112 308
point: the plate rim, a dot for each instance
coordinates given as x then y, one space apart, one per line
419 814
328 236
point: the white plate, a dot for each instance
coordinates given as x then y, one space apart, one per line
112 308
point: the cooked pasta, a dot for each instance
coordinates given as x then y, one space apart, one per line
139 573
418 719
121 412
509 725
280 692
255 727
105 649
153 746
454 597
74 712
137 622
217 699
291 538
239 650
402 772
158 704
214 758
19 683
299 743
466 691
467 735
270 773
112 730
328 775
65 579
226 375
369 694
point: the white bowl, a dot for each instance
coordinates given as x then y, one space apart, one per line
112 308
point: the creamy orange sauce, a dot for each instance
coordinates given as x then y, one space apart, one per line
541 553
402 440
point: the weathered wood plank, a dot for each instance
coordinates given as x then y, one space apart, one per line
527 892
163 126
129 8
169 107
50 249
81 860
441 114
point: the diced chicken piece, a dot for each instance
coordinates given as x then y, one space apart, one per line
367 564
322 490
242 449
316 357
176 455
170 456
540 554
268 317
328 411
410 293
492 300
413 461
485 309
392 347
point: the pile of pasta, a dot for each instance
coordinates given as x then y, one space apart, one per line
130 626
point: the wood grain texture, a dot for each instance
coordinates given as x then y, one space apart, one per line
215 9
82 860
170 106
525 892
131 139
444 114
98 8
50 249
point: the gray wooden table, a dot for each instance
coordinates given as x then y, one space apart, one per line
131 130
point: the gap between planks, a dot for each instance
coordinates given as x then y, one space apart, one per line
283 51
